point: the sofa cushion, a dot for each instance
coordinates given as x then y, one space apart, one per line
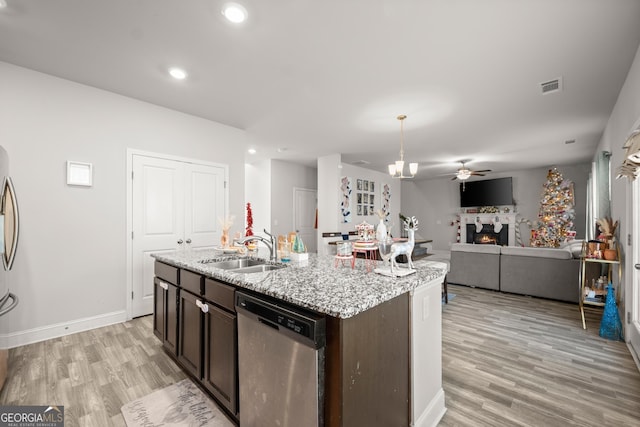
470 247
575 246
554 253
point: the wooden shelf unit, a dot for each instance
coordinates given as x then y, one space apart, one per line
585 260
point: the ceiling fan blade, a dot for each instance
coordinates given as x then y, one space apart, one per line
477 174
454 178
484 170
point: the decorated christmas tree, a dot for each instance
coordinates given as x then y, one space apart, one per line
555 218
249 229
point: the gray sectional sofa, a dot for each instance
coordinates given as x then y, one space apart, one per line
539 272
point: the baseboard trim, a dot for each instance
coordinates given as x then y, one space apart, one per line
30 336
634 355
433 413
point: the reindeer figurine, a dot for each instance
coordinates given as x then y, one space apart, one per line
405 248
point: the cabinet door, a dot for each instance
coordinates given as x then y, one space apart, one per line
171 320
190 334
159 309
220 357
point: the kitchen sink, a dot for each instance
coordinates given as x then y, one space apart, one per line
257 268
233 264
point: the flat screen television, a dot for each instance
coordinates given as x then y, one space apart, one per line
489 192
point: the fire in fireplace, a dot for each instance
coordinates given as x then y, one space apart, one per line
487 236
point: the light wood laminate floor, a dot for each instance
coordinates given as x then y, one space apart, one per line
507 361
510 360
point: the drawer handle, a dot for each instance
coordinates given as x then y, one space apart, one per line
203 307
164 285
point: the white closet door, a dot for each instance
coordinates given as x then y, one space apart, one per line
304 216
175 205
205 203
158 221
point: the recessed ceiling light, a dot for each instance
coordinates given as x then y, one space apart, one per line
251 151
282 149
235 12
177 73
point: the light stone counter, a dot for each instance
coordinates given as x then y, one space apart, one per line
315 284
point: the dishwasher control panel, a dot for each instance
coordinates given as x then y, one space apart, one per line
308 327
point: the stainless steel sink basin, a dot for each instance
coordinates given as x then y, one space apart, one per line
233 264
257 268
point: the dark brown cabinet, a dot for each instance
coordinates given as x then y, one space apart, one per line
220 356
221 344
195 319
190 333
165 314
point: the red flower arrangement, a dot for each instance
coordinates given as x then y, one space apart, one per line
249 229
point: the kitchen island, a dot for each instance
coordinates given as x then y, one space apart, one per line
382 361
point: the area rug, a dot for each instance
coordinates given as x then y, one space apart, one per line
180 404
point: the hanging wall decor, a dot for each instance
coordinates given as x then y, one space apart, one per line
365 197
386 202
345 202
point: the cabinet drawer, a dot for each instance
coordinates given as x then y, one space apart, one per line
220 294
191 282
166 272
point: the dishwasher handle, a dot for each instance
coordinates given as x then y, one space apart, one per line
269 324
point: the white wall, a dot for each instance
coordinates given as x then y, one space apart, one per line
436 202
330 170
70 266
258 193
624 119
379 178
284 177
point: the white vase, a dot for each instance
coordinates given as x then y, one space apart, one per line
381 231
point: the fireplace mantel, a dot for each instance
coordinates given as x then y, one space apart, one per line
489 218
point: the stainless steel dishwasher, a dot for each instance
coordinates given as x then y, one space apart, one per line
280 363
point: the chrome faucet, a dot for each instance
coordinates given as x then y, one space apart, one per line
271 243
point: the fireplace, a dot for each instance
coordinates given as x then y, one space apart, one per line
487 236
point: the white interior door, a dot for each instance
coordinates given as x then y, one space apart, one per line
205 203
633 331
158 222
305 202
175 205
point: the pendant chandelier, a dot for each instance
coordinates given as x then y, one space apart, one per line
396 170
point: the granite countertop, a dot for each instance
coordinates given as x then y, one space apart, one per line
315 284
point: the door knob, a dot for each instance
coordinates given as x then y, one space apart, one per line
180 242
189 241
637 266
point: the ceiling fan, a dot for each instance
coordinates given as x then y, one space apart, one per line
465 173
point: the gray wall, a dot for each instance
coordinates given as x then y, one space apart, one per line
71 260
624 119
436 202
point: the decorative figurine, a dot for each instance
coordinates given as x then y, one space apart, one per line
405 248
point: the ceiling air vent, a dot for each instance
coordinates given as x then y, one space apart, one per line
551 86
360 163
